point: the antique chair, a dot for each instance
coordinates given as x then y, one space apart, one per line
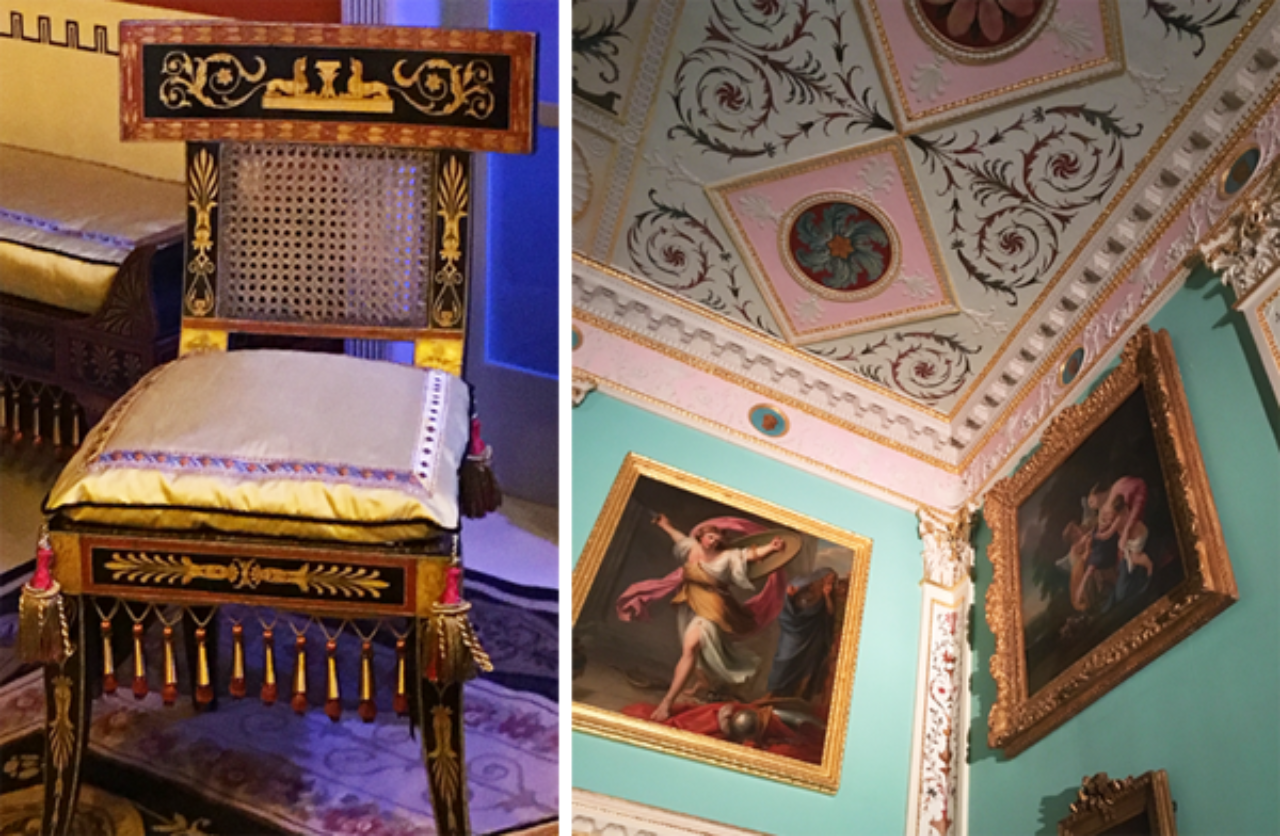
313 483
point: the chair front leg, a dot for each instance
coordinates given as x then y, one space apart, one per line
68 708
439 711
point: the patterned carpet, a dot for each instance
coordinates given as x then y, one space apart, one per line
248 769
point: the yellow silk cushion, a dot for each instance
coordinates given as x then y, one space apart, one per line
54 279
312 446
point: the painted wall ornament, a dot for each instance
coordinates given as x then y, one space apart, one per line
715 626
1106 548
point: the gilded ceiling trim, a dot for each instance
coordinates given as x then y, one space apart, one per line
747 383
866 486
773 343
1065 342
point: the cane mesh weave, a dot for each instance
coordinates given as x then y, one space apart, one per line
326 234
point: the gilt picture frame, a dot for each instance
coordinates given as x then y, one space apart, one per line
1139 806
1106 548
769 697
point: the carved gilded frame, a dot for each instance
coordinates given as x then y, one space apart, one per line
1103 804
1018 718
825 776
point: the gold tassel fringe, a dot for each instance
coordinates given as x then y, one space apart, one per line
451 650
43 634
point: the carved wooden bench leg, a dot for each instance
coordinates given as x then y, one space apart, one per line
68 707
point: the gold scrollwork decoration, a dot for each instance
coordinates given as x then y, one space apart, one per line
219 81
445 776
202 188
452 200
346 581
440 87
61 730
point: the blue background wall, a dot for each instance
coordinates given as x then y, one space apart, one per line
873 792
1207 711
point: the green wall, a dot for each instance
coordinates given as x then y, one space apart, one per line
873 790
1208 710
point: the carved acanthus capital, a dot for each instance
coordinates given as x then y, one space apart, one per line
1247 250
582 386
948 554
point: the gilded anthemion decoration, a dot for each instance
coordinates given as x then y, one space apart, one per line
202 192
447 308
156 569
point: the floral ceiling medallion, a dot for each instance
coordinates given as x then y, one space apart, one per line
835 245
979 31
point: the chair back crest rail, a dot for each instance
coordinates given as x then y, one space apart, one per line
328 171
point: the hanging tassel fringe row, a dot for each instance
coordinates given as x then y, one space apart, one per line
479 487
237 687
204 682
270 689
43 633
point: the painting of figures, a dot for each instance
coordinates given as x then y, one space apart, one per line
1096 543
1106 548
717 626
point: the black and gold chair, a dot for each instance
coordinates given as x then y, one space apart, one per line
329 186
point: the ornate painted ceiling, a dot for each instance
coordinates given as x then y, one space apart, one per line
897 219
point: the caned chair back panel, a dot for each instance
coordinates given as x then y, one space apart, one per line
328 241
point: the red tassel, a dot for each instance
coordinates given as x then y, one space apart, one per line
299 701
333 699
204 682
139 664
400 702
269 687
109 683
479 489
237 687
169 691
368 709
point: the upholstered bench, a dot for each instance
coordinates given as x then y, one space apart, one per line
90 289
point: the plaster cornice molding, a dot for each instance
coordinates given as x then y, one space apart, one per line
1188 158
603 815
700 338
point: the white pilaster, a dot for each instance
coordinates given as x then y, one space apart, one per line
936 792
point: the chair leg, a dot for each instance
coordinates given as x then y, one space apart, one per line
68 710
439 711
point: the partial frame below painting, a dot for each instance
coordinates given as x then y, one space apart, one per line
823 776
1078 609
1139 805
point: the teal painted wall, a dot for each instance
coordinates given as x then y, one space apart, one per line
1208 710
873 791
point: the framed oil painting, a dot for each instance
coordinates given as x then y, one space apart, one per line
1138 806
1106 548
715 626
